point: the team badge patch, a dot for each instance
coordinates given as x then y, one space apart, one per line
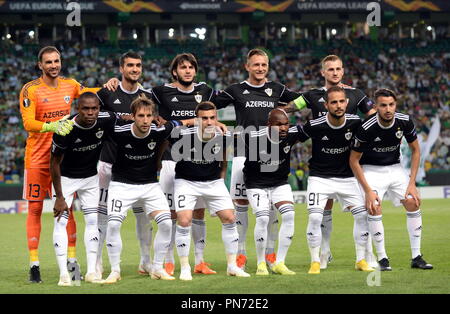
399 134
216 149
67 99
26 102
99 134
287 149
198 98
268 91
151 145
348 135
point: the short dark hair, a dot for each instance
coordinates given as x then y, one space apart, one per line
129 54
257 52
140 102
87 95
333 89
204 106
47 49
384 92
179 59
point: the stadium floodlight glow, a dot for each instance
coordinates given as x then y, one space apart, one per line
333 31
8 36
171 32
283 29
135 36
31 34
429 28
200 31
194 35
201 36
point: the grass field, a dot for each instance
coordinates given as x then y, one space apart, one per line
340 277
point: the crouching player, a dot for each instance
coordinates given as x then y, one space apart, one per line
199 174
73 168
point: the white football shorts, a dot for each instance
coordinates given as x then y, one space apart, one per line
237 185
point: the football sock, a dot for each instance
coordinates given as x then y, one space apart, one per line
199 238
327 227
242 226
262 220
286 231
229 238
162 238
102 224
144 232
114 242
360 231
60 242
414 225
314 232
34 230
272 231
169 258
183 240
376 229
91 239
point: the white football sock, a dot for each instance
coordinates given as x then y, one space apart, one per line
61 242
114 242
170 258
360 231
414 225
183 240
314 232
91 236
327 227
286 231
376 229
272 231
102 224
230 238
162 238
242 226
144 232
262 220
199 238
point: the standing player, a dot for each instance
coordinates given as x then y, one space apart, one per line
43 104
331 176
200 175
119 100
134 179
375 161
266 172
332 71
73 167
177 101
252 99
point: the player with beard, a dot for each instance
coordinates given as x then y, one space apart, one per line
332 71
252 99
375 161
118 99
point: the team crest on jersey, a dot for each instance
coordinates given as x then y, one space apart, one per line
216 149
67 99
287 149
151 145
99 134
348 135
26 103
268 91
399 134
198 98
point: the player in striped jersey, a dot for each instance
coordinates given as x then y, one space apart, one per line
73 168
332 71
331 176
44 103
375 161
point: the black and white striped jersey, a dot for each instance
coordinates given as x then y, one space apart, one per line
267 161
118 101
381 145
198 160
82 146
315 100
252 104
136 159
331 146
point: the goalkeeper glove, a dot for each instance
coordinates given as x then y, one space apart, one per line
60 127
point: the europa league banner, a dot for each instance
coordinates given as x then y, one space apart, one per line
236 6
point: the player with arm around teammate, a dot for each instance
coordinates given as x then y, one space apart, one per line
375 161
200 173
73 168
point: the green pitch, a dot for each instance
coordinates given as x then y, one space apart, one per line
340 277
